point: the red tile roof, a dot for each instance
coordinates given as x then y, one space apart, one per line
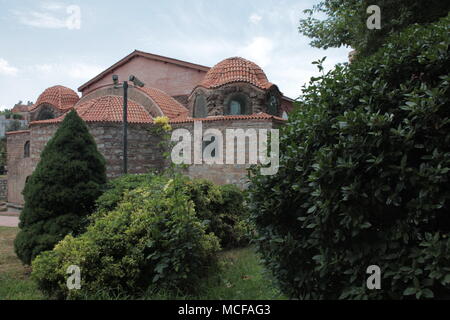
254 116
17 132
235 70
61 97
107 109
19 108
168 105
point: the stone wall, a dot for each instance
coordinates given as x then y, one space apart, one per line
217 99
226 173
19 167
3 189
143 153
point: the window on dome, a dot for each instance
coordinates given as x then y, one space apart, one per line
45 114
236 106
26 150
200 107
273 105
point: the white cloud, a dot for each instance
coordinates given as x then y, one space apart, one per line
52 15
7 69
259 50
78 71
255 18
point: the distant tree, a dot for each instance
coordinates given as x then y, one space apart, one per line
17 116
62 190
345 24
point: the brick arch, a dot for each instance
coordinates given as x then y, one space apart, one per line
39 111
134 94
217 98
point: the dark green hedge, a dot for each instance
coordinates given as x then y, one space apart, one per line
364 177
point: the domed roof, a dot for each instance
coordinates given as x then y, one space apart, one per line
168 105
107 109
58 96
235 69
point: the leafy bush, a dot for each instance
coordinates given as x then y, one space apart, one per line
364 177
62 190
116 189
222 208
153 239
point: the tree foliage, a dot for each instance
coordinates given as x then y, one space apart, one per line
345 22
62 190
364 177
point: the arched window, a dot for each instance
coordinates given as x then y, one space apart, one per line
26 150
272 105
45 113
200 107
237 105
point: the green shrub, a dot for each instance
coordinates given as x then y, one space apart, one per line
153 239
364 177
62 190
116 188
222 208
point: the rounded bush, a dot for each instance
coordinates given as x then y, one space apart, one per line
153 239
222 208
364 177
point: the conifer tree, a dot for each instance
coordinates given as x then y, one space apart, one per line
62 190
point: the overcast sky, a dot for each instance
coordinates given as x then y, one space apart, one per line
43 43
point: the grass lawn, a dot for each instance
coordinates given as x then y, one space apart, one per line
14 277
242 276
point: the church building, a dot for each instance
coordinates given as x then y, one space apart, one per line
235 93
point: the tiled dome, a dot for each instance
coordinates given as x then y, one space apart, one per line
235 70
107 109
168 105
60 97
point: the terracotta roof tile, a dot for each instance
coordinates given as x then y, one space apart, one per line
61 97
255 116
168 105
17 132
20 108
235 70
107 109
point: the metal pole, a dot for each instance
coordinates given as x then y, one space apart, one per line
125 127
